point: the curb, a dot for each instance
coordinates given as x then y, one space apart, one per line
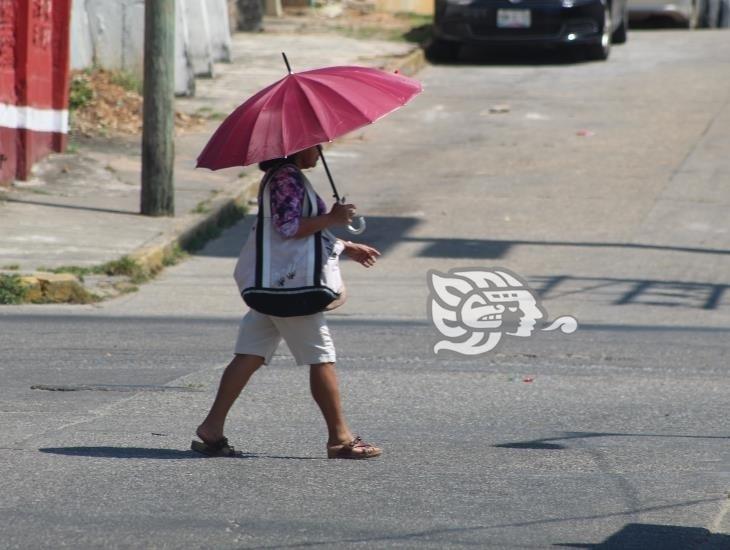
46 288
189 231
55 288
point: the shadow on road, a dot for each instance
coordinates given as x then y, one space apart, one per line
438 247
75 207
664 537
522 56
464 535
151 453
545 443
619 291
647 292
656 22
511 56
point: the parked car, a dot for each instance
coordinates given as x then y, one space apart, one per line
690 13
588 24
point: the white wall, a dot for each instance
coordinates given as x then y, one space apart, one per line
133 37
201 52
82 49
220 29
110 33
106 24
184 76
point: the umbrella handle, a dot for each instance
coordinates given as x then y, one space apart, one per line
360 228
361 225
361 221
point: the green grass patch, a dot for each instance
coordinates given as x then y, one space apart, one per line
123 267
81 93
127 267
203 207
11 267
210 113
12 289
174 256
126 80
415 29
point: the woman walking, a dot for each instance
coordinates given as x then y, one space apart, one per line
307 336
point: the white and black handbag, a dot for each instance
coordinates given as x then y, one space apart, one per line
289 277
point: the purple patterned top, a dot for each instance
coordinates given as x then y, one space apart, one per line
287 199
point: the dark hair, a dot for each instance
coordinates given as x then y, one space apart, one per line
267 165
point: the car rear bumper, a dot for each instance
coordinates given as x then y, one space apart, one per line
551 22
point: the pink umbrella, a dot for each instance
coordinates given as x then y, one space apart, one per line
305 109
302 110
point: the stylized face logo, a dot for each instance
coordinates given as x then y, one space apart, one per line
473 308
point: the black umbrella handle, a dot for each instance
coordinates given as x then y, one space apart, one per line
329 174
351 228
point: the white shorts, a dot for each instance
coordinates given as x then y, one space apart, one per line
307 336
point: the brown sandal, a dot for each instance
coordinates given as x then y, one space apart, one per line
355 449
216 448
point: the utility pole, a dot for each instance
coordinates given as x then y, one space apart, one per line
158 147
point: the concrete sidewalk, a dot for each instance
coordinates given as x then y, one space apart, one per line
81 209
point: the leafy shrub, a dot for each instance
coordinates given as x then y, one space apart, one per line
12 289
81 92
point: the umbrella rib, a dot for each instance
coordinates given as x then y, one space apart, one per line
261 109
314 112
283 129
231 121
363 79
366 117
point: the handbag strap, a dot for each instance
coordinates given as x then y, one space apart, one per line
312 201
261 227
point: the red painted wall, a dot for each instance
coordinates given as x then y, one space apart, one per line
34 73
7 87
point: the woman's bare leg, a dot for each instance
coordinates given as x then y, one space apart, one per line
326 392
234 378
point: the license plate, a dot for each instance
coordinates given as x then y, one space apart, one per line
513 19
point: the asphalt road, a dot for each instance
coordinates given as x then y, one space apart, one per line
602 185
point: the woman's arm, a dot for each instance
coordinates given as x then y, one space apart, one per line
361 253
341 214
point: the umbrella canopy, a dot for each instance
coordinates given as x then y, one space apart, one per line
305 109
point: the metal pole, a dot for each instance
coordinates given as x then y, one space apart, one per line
158 146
